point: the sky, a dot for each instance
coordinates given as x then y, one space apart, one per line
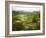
27 8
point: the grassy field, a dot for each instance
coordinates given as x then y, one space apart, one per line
25 20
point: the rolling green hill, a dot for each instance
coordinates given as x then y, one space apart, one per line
25 20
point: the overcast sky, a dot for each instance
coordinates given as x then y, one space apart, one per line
25 8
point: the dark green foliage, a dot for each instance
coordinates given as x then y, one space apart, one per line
25 21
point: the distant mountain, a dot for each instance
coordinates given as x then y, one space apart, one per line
23 12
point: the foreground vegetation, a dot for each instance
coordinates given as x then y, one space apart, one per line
25 20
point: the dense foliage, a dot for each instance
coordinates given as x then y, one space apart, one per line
25 20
